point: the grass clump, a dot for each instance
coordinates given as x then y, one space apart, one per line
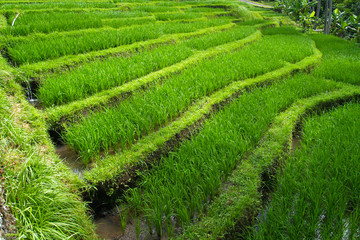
185 181
144 112
38 190
318 189
98 76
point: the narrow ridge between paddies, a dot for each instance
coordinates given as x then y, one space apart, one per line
319 184
200 165
239 199
144 112
54 115
36 70
82 41
106 174
97 76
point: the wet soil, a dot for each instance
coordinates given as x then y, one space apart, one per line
70 158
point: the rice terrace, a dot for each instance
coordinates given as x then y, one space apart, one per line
182 119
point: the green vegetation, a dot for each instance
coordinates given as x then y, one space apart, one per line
55 5
185 180
341 59
39 188
22 51
122 22
143 113
98 76
111 168
28 23
182 111
228 215
176 16
219 38
37 70
319 188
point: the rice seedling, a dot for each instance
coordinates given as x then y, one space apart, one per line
176 16
218 38
48 48
144 112
52 22
202 10
189 177
39 69
341 61
98 76
55 5
318 189
122 22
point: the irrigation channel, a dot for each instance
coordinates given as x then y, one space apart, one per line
180 130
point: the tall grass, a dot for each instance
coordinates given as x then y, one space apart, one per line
341 60
98 76
48 48
184 182
318 191
142 113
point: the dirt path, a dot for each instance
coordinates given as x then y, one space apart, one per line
256 4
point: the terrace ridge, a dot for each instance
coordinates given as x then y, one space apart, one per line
105 174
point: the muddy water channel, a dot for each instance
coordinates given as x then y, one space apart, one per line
109 226
70 158
108 222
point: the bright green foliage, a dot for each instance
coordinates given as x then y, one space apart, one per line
143 113
45 207
186 180
341 61
154 8
41 49
48 22
122 22
56 5
112 72
218 38
176 16
318 193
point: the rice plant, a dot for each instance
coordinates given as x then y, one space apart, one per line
22 51
180 187
122 22
52 22
219 38
98 76
341 60
176 16
55 5
318 191
144 112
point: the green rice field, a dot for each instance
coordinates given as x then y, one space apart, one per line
188 119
